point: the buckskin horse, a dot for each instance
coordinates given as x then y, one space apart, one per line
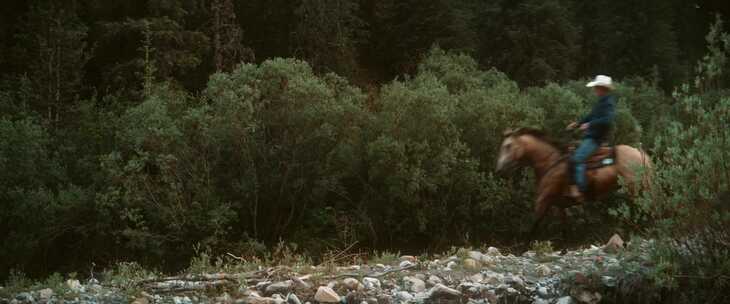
553 171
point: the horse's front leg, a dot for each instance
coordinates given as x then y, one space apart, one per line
542 205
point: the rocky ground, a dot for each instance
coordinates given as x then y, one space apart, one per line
467 276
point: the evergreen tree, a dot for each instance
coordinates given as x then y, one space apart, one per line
533 41
179 47
228 49
327 33
53 42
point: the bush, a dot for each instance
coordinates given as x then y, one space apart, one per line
686 209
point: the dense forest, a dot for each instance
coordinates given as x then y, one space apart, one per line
146 130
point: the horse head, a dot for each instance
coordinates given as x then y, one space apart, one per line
511 152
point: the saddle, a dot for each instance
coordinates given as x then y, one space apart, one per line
604 156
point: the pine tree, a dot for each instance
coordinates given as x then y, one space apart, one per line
326 35
228 49
54 42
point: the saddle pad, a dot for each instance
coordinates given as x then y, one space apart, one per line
602 157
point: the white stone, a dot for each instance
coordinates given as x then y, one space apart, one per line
409 258
326 295
405 264
565 300
371 283
493 251
403 296
293 299
352 284
433 280
543 270
450 265
45 294
614 244
182 300
279 287
477 278
517 280
471 264
589 298
476 255
540 301
493 278
75 285
542 292
415 284
487 260
442 291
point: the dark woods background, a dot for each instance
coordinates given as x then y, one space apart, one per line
119 141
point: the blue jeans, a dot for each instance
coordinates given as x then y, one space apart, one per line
585 149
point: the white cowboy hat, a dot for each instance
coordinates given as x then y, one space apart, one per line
601 81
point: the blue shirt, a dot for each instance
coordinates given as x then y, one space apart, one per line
601 118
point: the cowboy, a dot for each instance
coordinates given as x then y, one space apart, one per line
597 126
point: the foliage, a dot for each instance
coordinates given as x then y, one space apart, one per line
686 207
119 143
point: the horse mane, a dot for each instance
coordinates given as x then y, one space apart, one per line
539 134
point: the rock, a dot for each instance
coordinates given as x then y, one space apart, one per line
476 255
516 280
477 278
24 297
589 298
434 280
471 264
408 258
543 292
487 260
352 284
403 296
565 300
493 278
182 300
293 299
415 284
543 270
608 281
75 285
405 264
493 251
278 299
326 295
450 265
279 287
299 283
141 300
540 301
441 291
614 244
45 294
371 283
256 300
224 298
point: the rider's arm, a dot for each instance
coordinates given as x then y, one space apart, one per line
604 113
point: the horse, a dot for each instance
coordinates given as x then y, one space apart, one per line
553 170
